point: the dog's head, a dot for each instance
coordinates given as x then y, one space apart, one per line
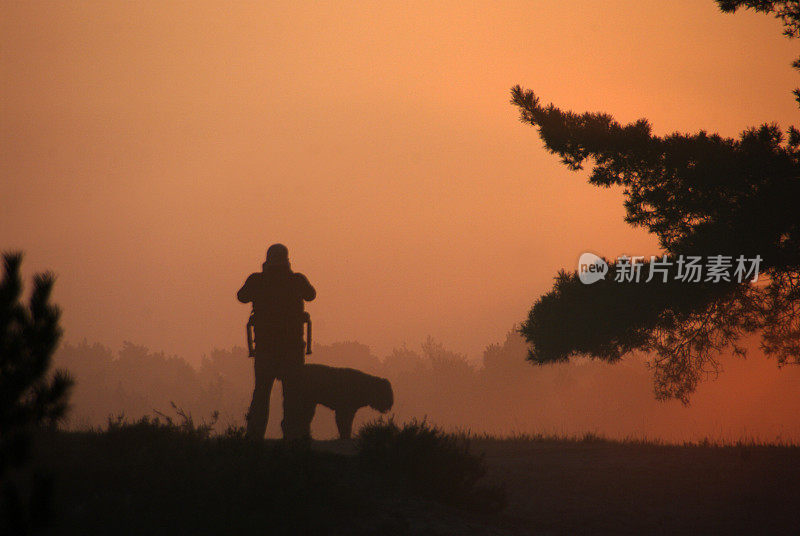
383 397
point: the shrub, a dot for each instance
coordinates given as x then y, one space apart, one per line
429 462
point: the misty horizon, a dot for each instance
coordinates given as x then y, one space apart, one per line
568 399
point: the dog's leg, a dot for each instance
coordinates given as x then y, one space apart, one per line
344 422
298 410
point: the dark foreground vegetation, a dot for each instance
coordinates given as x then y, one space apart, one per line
161 477
156 476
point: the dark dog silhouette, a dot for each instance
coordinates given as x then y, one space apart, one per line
344 390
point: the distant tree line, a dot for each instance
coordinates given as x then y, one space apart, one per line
498 394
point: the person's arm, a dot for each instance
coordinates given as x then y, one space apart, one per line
306 290
245 293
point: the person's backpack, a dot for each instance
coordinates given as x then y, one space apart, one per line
251 327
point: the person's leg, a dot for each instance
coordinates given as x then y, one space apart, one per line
258 414
298 408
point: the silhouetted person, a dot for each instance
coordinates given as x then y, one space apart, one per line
277 294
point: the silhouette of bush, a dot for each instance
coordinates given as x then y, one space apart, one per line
429 462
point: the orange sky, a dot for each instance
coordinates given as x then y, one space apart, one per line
150 153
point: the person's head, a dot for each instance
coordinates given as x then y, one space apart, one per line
277 257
